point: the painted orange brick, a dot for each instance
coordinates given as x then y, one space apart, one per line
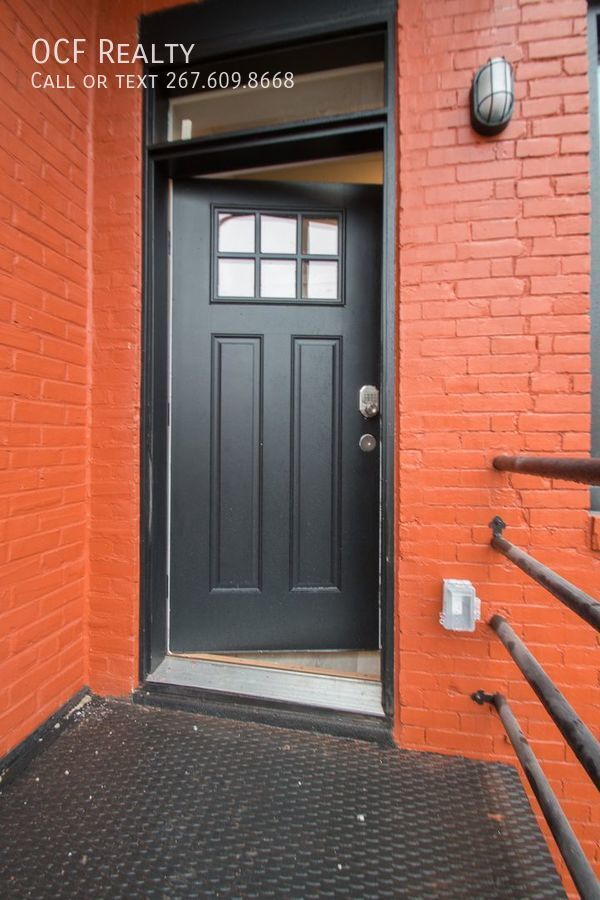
493 357
44 205
542 156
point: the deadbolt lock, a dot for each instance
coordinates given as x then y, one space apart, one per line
367 443
368 401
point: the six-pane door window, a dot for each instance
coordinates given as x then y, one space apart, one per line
276 256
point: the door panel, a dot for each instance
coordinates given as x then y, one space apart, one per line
235 470
316 453
275 326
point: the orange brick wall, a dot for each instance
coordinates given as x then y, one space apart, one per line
115 479
70 282
494 357
116 355
45 215
493 338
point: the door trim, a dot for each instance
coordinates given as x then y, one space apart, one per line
358 133
222 27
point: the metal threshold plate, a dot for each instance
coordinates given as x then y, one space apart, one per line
342 693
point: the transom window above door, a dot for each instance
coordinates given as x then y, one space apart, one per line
277 257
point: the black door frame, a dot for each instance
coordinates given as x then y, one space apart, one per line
281 25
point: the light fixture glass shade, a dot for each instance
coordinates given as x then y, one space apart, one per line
492 97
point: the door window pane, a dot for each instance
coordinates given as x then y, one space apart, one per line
278 278
278 234
236 233
235 278
320 236
320 279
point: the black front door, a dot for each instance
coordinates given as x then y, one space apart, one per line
275 328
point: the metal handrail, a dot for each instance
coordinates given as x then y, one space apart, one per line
583 471
577 735
570 848
583 743
577 600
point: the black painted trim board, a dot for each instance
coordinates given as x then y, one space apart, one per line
44 735
220 27
594 71
265 712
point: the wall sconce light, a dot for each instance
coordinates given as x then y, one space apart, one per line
492 97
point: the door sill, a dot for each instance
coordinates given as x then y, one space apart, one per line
343 693
265 660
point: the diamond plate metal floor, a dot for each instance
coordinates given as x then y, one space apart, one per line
133 802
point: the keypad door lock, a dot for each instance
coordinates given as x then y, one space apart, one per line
368 401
